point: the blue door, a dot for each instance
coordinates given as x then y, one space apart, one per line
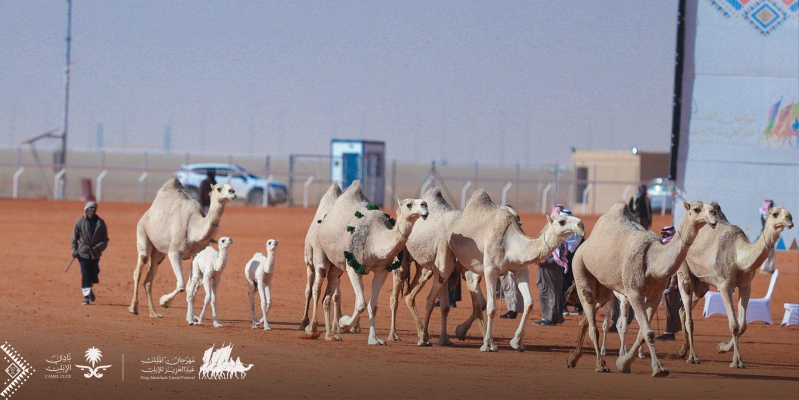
350 166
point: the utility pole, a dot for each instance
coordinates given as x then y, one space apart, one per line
63 156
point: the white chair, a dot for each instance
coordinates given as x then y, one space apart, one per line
791 315
758 309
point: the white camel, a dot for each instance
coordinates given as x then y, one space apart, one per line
207 268
259 271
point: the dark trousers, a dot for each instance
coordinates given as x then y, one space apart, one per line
673 304
89 271
550 290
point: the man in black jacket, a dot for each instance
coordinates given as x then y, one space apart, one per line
204 191
641 207
89 240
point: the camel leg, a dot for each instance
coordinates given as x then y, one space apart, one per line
395 292
377 283
207 288
266 300
251 297
322 269
523 283
333 279
214 300
723 347
309 283
621 323
605 326
478 305
686 317
347 321
582 328
491 274
191 292
148 284
134 304
176 259
443 297
645 334
420 278
336 302
438 286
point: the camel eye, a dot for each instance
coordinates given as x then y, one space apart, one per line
219 190
696 210
409 206
562 222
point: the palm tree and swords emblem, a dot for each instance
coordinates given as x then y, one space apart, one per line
93 355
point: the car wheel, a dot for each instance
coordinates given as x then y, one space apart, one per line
194 192
256 197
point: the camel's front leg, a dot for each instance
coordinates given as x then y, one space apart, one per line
686 318
176 259
723 347
646 334
605 327
148 286
322 269
347 321
491 274
251 302
621 323
443 300
309 283
331 294
207 287
214 300
395 293
377 283
478 306
191 292
266 300
134 304
437 289
420 278
523 283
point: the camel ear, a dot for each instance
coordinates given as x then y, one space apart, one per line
213 186
686 205
549 219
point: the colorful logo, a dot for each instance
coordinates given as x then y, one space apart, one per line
764 16
783 126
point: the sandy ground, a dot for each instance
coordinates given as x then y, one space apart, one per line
41 317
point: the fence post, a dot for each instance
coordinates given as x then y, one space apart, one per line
265 200
544 198
626 190
393 181
425 184
291 180
505 192
516 190
58 185
463 193
585 195
142 181
15 191
100 185
305 191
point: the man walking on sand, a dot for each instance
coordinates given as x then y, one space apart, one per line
89 240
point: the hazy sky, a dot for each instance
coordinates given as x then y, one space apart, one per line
496 81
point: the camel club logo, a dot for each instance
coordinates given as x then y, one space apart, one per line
18 370
218 365
93 356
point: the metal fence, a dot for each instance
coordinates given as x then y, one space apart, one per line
136 176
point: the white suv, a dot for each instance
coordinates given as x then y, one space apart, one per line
250 186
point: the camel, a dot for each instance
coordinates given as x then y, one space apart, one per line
327 201
206 268
259 271
174 227
358 238
421 248
487 240
622 256
724 257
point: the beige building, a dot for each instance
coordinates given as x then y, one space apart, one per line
605 177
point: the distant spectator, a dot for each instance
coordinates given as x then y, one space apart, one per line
572 243
204 192
89 240
550 282
671 296
641 207
768 263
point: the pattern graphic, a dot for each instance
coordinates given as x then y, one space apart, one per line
764 16
18 370
782 129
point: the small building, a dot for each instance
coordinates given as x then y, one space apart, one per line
360 159
613 175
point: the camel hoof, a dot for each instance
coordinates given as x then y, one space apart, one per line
660 373
516 345
445 342
602 369
621 367
356 330
737 364
309 330
376 341
154 314
333 338
164 301
267 327
133 310
489 348
217 325
393 337
641 355
309 336
571 362
460 332
304 324
683 352
722 348
423 343
602 351
692 360
254 326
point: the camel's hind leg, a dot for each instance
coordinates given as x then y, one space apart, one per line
478 306
605 326
420 278
143 249
191 291
643 314
309 283
686 318
592 295
176 259
333 280
393 303
155 260
735 325
523 282
322 268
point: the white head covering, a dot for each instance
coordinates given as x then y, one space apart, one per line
89 204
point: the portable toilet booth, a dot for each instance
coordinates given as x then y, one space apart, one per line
360 159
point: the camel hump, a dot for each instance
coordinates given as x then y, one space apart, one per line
354 192
434 197
334 189
173 190
479 199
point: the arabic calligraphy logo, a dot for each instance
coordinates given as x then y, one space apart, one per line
93 355
60 368
18 370
218 365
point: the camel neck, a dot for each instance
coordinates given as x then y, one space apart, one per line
221 261
665 259
750 256
522 249
205 228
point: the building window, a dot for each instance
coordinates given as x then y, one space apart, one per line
581 175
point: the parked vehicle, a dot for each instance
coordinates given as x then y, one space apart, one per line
661 194
249 186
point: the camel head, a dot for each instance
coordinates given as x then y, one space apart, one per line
778 219
222 193
412 209
700 213
224 242
564 226
271 245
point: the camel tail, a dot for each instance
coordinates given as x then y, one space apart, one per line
571 294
